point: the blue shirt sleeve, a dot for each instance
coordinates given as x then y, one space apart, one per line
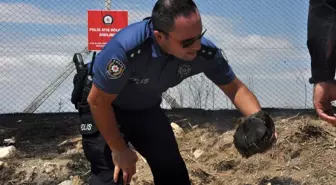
110 69
220 71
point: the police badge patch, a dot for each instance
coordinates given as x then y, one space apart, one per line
183 71
115 69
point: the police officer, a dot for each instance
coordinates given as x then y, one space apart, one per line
321 43
130 74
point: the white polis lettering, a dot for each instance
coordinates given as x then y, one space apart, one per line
86 127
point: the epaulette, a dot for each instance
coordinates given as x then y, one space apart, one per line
138 50
207 52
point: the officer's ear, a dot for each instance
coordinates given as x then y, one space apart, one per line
159 36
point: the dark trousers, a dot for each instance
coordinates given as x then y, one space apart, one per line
150 133
321 38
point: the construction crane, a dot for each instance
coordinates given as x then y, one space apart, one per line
44 95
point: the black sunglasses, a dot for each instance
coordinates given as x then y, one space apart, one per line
188 42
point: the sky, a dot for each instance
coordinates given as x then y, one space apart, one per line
263 40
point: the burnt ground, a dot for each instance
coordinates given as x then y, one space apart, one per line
49 150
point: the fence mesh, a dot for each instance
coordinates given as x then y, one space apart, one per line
264 42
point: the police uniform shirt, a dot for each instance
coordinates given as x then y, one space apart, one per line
132 65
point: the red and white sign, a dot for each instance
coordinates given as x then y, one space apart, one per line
103 25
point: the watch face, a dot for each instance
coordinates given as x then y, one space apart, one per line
108 19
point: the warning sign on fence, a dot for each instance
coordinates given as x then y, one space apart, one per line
103 25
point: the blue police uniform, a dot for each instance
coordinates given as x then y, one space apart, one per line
133 66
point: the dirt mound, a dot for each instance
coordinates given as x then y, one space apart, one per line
49 152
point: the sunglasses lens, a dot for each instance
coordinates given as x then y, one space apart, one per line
187 44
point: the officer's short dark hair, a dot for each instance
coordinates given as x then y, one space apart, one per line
165 11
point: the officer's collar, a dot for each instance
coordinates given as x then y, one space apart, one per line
156 47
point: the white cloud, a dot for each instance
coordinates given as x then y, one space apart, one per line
27 13
40 45
255 54
23 78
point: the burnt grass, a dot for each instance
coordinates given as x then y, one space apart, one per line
304 153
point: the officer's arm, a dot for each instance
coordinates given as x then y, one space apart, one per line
103 114
224 77
243 99
111 73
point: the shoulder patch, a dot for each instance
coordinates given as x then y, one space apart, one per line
184 70
208 53
115 68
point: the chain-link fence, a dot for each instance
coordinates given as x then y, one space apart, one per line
264 41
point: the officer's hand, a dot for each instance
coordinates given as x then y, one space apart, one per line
324 93
126 161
